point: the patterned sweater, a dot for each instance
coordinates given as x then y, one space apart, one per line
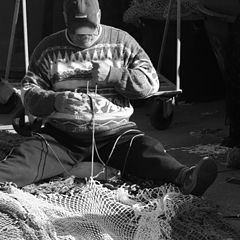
58 65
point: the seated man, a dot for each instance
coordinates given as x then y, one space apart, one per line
79 82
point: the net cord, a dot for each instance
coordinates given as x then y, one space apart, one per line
94 149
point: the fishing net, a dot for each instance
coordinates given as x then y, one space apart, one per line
158 9
72 210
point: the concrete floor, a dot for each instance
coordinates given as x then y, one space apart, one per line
199 125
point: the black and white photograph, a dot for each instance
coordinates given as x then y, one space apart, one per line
120 120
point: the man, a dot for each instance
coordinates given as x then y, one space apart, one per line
79 82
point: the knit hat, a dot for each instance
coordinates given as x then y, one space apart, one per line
81 15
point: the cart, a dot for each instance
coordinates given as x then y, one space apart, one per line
163 104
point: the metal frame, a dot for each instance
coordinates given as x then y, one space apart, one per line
168 88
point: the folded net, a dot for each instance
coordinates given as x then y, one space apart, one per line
158 10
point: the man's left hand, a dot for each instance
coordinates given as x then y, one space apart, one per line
100 72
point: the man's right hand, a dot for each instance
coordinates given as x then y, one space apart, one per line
68 102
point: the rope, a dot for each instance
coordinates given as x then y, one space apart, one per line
54 153
93 129
130 145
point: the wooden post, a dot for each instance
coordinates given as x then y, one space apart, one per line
163 45
13 31
178 44
25 32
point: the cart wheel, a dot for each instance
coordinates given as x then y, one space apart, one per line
162 112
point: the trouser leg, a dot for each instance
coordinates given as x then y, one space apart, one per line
35 159
145 158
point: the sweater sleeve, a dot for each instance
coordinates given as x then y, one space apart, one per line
138 78
37 94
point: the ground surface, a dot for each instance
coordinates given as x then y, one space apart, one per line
195 132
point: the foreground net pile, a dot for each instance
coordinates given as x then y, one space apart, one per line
158 9
68 210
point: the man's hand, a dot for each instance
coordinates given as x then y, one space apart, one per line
68 102
100 72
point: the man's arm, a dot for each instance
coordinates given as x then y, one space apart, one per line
139 78
37 95
38 99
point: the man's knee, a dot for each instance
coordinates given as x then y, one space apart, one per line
10 172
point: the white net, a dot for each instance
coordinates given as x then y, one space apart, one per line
158 9
93 211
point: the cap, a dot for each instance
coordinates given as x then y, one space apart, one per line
82 15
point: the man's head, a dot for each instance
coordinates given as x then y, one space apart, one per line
82 18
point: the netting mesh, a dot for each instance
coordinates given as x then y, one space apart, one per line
93 211
158 9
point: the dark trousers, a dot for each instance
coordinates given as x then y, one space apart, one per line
51 153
